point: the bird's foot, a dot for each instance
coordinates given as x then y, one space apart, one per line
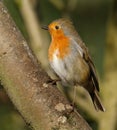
53 81
73 107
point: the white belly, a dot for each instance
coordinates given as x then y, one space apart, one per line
58 66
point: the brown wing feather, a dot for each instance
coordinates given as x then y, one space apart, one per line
93 74
87 58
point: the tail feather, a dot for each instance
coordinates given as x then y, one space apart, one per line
96 101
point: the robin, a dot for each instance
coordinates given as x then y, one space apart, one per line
70 59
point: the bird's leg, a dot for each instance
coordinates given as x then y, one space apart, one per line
73 100
74 97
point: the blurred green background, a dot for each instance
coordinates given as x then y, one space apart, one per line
90 18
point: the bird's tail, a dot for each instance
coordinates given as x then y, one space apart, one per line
96 101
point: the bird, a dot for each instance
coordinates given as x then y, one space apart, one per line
69 58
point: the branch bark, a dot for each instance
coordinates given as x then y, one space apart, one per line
41 105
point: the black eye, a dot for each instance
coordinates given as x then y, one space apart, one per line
56 27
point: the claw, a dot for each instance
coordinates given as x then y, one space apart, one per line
53 81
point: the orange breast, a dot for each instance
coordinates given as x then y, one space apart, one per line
60 43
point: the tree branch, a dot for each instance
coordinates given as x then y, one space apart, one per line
40 104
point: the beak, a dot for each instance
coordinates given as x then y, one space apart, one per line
45 27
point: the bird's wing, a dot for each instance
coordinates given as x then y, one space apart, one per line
93 72
87 58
